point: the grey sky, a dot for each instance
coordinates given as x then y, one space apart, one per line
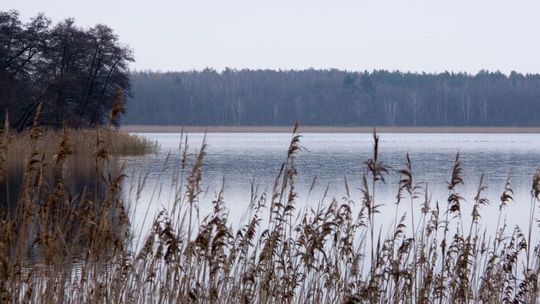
427 35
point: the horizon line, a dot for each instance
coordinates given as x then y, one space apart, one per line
352 71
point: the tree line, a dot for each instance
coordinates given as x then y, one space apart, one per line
71 73
334 97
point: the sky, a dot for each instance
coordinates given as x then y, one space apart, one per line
407 35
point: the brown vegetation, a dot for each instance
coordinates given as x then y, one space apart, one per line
321 129
69 247
81 142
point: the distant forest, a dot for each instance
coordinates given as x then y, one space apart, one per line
334 97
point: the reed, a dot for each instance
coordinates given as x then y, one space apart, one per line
64 247
82 142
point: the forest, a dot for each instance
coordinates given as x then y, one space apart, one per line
72 74
75 74
334 97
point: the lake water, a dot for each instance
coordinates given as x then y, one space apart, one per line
242 158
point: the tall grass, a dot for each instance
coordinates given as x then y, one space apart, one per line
61 247
82 142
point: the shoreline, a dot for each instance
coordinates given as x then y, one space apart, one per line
323 129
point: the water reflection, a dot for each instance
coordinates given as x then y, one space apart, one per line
80 176
242 158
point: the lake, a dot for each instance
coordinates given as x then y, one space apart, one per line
240 159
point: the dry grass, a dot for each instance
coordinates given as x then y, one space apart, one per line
82 141
75 248
323 129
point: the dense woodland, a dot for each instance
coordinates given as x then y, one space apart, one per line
334 97
74 73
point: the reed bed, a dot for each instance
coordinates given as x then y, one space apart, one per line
62 247
82 141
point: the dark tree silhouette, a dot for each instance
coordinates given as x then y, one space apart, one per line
72 72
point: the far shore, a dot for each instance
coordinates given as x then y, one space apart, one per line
321 129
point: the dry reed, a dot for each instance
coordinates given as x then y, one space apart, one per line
62 247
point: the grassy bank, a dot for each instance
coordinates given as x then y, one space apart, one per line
82 142
322 129
78 248
80 148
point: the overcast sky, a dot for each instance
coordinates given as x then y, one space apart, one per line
409 35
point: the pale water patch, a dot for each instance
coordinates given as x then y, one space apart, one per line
242 158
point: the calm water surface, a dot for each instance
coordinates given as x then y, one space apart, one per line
241 158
